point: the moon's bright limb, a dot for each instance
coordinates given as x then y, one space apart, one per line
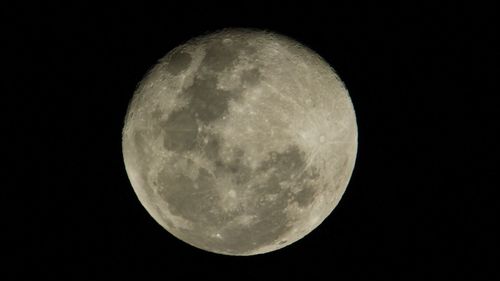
240 142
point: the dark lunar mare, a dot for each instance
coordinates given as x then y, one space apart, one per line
206 103
272 219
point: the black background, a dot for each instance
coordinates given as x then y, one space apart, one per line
420 202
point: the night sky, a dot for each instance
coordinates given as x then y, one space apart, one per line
419 204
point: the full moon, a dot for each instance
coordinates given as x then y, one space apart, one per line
240 142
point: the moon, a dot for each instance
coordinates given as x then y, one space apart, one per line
240 142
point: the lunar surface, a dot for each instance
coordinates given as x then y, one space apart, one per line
240 142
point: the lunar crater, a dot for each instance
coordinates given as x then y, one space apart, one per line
178 62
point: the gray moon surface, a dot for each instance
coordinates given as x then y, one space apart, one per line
240 142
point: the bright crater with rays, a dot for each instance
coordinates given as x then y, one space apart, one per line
240 142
